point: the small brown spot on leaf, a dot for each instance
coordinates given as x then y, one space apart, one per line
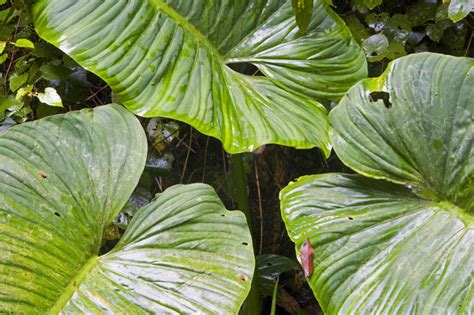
243 277
306 256
57 214
42 175
350 218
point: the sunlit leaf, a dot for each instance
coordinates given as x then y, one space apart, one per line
50 97
63 179
403 247
459 9
176 59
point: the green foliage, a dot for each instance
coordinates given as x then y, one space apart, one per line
34 74
411 126
241 110
248 73
179 252
395 29
459 9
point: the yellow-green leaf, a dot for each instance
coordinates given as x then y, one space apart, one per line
50 97
24 43
162 60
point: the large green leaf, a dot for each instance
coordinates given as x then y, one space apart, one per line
413 125
63 179
172 58
380 247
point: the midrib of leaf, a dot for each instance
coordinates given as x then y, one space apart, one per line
188 27
73 285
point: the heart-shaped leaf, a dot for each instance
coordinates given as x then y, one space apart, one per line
381 247
63 179
173 59
413 125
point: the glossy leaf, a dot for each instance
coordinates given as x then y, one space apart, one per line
380 247
50 97
173 59
413 125
63 180
182 253
459 9
24 43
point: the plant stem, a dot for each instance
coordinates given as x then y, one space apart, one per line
275 297
239 181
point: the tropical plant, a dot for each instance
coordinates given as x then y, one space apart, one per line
459 9
82 228
399 238
63 179
174 59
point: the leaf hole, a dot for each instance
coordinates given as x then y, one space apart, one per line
245 243
244 68
384 96
350 218
57 214
269 264
222 215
